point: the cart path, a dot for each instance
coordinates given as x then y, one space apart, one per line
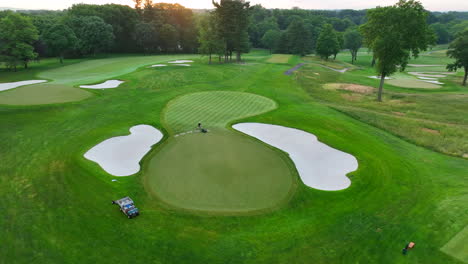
290 71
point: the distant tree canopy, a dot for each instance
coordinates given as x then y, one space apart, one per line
233 17
395 34
458 50
17 36
59 39
327 43
353 42
233 26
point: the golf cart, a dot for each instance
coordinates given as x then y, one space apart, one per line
127 207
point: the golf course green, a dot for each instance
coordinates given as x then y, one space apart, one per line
221 196
213 109
220 172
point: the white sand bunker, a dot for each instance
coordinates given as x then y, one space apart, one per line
11 85
105 85
120 156
181 61
433 82
425 65
427 78
378 77
186 65
319 166
158 65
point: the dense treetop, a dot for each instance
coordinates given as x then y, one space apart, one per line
235 27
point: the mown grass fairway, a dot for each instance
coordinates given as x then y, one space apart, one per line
458 246
64 79
56 204
220 172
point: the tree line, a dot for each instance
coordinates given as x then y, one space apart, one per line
84 30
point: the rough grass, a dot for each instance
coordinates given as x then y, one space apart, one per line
56 205
220 172
279 58
213 109
413 109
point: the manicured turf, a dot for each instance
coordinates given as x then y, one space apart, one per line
280 58
458 246
93 71
64 77
56 204
213 109
47 93
220 172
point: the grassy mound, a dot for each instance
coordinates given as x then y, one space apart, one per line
213 109
219 172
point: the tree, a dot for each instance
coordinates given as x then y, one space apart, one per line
340 38
233 17
299 37
59 39
327 42
395 34
93 34
441 30
283 43
17 35
210 41
458 50
146 36
169 38
122 18
353 42
271 39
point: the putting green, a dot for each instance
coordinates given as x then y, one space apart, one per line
45 93
213 109
220 172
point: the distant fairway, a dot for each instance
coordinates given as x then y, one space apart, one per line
60 89
92 71
219 172
279 58
213 109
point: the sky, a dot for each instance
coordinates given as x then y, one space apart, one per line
433 5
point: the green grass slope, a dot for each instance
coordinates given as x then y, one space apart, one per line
56 205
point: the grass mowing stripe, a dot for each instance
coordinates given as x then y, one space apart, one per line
213 109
